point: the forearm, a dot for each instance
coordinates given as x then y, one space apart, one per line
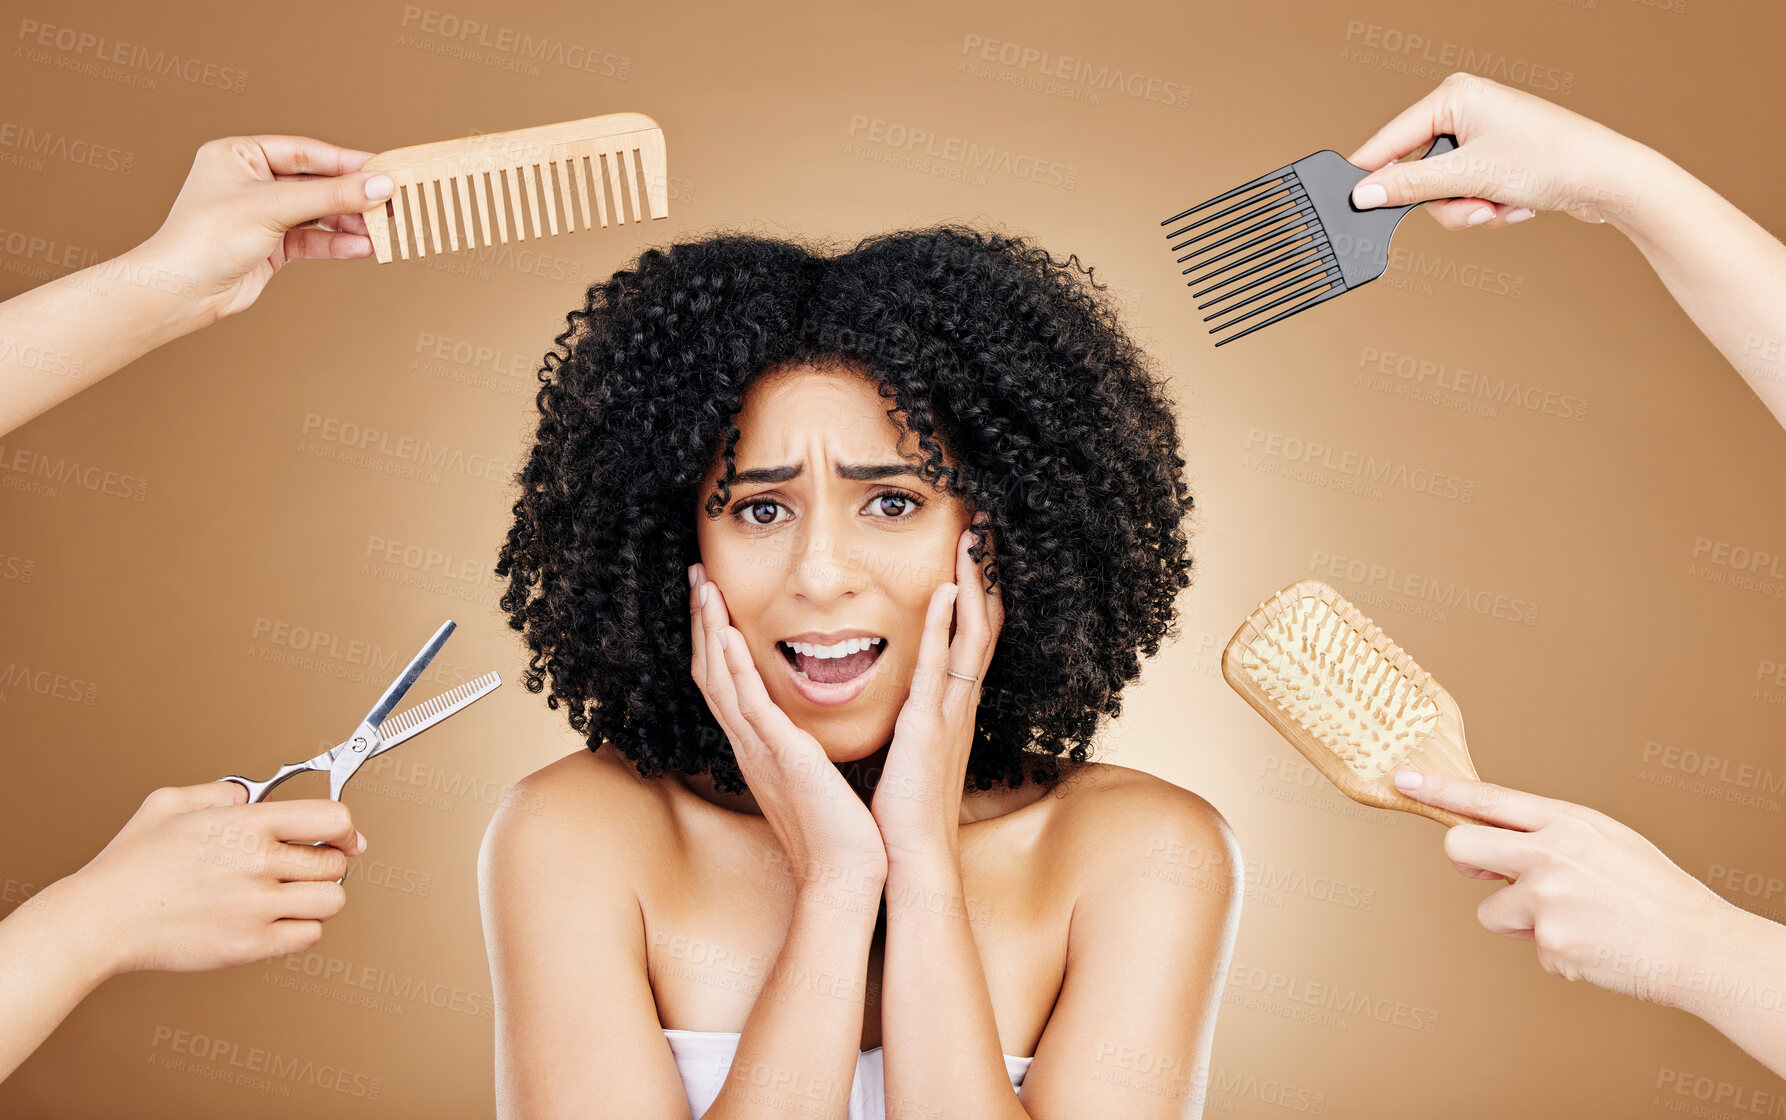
942 1053
1741 987
1726 271
797 1053
48 965
63 336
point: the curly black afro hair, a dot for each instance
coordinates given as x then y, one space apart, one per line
1012 361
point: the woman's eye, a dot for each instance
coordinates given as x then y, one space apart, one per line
904 504
750 511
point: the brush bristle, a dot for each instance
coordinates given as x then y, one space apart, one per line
1351 688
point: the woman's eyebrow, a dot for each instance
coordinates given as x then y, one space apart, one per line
852 472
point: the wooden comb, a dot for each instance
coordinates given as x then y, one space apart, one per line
607 153
1352 701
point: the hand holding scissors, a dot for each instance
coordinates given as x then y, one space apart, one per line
199 880
380 731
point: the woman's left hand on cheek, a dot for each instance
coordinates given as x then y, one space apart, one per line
1599 901
917 801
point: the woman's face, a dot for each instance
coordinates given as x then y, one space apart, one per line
829 534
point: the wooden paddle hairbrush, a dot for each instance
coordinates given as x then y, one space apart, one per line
536 166
1352 701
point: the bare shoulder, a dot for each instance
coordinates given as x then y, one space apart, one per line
586 783
1118 820
580 803
558 874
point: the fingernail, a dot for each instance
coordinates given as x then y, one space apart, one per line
1408 779
1367 195
1480 216
691 575
702 595
954 590
1520 215
362 837
725 641
377 187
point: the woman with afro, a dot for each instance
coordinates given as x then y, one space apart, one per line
837 561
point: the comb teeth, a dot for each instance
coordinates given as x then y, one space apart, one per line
1275 230
1340 678
521 188
471 193
407 722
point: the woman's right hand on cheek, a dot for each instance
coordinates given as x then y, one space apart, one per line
823 826
1517 154
249 205
198 879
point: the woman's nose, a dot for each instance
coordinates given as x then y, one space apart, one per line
822 564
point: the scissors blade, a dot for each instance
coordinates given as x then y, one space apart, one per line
413 722
394 694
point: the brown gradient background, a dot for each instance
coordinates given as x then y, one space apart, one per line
1593 521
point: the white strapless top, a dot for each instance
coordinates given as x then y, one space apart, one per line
704 1057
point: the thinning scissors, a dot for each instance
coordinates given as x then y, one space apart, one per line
376 733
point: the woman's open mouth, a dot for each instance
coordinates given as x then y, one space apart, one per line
833 674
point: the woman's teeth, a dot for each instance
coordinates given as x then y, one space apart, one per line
841 649
835 664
